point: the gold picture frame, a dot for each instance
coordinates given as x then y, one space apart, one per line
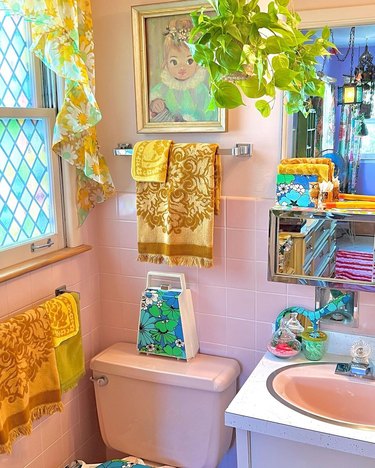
171 90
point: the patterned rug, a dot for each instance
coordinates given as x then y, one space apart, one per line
358 266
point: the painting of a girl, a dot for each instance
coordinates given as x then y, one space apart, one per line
182 95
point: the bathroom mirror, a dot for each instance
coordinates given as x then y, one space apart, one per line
332 248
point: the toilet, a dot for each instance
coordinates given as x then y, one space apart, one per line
165 411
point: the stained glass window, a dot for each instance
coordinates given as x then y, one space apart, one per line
28 184
15 85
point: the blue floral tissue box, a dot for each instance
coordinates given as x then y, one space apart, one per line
297 190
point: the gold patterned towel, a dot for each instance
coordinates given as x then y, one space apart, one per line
150 160
63 312
176 219
29 383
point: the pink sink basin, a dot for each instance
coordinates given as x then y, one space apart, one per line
315 390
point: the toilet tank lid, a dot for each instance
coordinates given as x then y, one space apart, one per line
203 372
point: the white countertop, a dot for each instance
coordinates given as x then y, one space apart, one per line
255 409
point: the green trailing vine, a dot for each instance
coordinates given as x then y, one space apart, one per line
249 52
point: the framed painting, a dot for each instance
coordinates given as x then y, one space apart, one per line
172 90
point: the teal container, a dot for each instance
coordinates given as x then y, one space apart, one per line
314 347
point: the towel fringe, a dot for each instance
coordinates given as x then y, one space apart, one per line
25 429
176 260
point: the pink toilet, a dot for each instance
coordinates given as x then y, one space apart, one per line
163 410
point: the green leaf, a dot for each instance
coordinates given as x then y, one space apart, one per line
283 77
280 61
252 87
274 45
326 33
283 3
262 20
263 107
165 325
227 95
155 311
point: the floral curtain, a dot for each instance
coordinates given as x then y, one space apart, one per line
62 38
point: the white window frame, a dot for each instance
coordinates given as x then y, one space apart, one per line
63 180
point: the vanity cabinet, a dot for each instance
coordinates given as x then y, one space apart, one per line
312 249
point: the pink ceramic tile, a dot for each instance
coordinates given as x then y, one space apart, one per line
53 456
219 242
212 349
106 210
24 450
262 283
51 430
36 463
220 219
211 300
19 293
241 244
240 333
126 206
241 304
87 347
110 336
214 276
366 319
245 358
112 287
261 245
268 306
113 313
111 232
240 274
307 301
132 289
109 259
191 273
366 298
211 328
240 213
129 264
263 335
128 234
131 316
70 415
262 208
42 284
302 291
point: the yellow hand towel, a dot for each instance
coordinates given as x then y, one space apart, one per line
65 323
150 160
29 383
327 161
63 314
321 170
176 219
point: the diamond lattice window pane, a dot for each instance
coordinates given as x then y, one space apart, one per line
25 187
15 85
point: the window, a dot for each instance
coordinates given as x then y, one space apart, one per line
30 195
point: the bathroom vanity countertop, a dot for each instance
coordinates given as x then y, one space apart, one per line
254 409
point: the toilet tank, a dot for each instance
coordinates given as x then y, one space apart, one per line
165 410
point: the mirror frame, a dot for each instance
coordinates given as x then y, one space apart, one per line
334 215
316 19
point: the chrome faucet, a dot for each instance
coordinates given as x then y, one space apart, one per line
360 365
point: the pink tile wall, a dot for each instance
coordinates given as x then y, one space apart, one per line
235 305
58 439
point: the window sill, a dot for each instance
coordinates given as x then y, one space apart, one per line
44 260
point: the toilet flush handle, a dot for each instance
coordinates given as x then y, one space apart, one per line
101 381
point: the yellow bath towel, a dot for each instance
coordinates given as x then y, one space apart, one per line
29 382
65 323
176 219
321 170
327 161
63 314
150 160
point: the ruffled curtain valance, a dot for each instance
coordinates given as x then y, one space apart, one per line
62 38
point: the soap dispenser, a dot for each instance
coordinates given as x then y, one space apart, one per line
283 343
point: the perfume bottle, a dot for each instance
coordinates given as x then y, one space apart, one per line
284 343
295 326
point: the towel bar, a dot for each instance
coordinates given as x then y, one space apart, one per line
241 149
62 289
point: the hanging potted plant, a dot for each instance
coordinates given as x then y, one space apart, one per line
252 53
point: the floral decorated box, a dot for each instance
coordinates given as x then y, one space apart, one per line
297 190
167 323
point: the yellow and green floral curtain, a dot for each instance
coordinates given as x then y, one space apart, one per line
62 38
